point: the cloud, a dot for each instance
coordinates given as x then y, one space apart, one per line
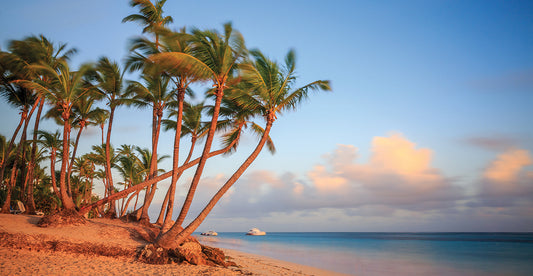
397 176
506 182
396 189
495 142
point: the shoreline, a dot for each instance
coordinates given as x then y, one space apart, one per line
19 257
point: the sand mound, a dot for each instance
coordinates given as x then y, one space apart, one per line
64 217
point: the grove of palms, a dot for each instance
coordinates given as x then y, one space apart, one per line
245 92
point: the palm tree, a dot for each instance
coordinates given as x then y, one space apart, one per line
155 92
192 125
84 115
23 99
64 90
272 93
213 56
151 16
110 80
52 142
36 50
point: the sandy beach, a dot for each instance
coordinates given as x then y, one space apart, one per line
22 253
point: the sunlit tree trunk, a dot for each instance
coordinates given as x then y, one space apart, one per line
175 236
199 170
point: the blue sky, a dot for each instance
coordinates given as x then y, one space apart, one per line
428 127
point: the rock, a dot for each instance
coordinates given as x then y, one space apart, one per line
214 255
190 252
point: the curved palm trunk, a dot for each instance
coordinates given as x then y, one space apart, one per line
23 116
30 202
170 208
175 175
158 113
203 158
19 153
109 177
175 236
7 204
53 172
140 186
67 201
128 203
74 156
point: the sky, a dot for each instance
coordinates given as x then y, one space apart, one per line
428 126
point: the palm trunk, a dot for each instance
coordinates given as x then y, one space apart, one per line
30 201
128 203
74 153
7 204
153 164
23 116
53 172
140 186
203 158
109 177
19 154
175 160
67 201
175 236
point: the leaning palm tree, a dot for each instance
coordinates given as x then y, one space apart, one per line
84 115
64 90
154 92
271 93
213 56
111 84
192 125
36 50
22 98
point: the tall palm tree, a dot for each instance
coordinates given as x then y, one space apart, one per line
84 115
23 99
194 126
110 81
64 90
271 94
36 50
156 93
212 56
151 16
52 142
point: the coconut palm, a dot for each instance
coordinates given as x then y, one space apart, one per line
23 99
111 84
154 92
64 90
150 16
84 115
191 125
272 93
52 143
213 56
36 50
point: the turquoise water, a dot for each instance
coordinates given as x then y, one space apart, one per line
393 253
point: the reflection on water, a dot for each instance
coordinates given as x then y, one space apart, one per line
393 253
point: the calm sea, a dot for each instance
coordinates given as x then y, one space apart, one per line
392 253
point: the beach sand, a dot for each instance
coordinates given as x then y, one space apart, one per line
22 253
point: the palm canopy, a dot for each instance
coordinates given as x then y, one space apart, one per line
271 86
213 56
109 79
151 15
38 49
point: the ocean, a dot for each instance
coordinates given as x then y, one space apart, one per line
392 253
